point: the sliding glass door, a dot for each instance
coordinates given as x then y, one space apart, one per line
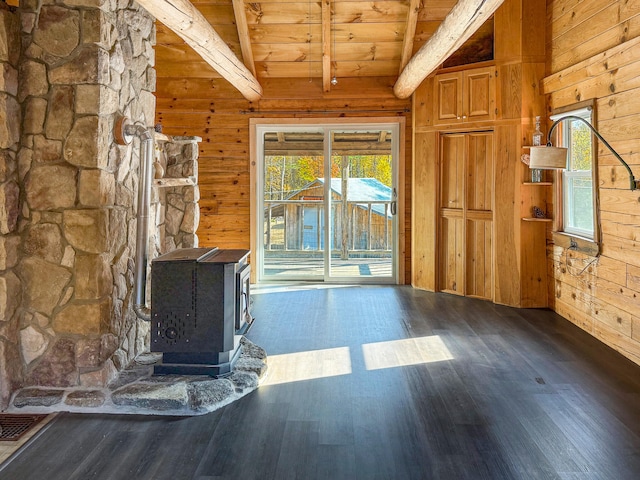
292 204
327 203
362 204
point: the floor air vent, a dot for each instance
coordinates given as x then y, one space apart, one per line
13 427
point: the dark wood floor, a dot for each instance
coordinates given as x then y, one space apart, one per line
524 395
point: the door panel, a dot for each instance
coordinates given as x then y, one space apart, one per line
451 253
466 214
478 88
452 168
479 250
479 185
478 214
448 91
452 213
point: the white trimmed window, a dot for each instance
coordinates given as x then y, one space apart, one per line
578 204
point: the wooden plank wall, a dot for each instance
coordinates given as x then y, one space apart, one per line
594 53
519 247
188 104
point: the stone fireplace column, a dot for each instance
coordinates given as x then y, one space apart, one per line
10 286
82 63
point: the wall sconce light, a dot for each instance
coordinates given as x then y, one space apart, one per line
551 157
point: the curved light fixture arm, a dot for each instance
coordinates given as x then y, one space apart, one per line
634 184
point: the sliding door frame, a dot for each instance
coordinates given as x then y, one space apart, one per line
256 124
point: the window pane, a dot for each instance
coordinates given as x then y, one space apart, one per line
580 158
578 186
580 203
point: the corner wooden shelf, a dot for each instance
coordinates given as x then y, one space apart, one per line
533 219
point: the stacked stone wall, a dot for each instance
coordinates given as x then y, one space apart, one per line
175 208
71 234
68 192
10 123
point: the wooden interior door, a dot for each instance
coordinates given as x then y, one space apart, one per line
452 178
479 215
466 214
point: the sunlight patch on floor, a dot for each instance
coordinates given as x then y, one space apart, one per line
313 364
401 353
333 362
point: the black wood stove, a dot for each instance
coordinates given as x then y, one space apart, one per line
199 310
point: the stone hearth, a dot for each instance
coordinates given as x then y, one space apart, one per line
138 391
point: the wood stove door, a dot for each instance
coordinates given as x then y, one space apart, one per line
243 300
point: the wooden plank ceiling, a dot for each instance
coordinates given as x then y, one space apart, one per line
310 39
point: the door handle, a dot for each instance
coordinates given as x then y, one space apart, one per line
394 203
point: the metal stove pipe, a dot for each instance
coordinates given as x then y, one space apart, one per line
142 227
124 132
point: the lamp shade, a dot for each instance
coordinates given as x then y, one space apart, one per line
547 158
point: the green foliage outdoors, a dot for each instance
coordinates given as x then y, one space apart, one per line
581 146
580 189
285 175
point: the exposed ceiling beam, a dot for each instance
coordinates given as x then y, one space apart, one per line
243 34
462 22
410 32
326 45
189 24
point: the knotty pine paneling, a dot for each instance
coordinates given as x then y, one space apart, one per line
344 68
507 283
436 10
353 51
214 110
593 53
273 13
586 29
425 208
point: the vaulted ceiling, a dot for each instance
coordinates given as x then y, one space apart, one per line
314 39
